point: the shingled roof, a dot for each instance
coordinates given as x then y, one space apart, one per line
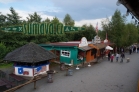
30 53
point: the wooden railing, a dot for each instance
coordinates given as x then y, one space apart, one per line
36 78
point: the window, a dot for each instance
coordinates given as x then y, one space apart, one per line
65 53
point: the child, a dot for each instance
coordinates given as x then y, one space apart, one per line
112 57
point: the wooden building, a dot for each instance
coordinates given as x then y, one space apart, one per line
73 52
30 60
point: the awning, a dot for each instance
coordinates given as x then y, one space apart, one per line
100 45
85 48
109 48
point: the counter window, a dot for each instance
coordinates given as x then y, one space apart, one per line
65 53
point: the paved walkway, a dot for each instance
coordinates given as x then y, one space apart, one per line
101 77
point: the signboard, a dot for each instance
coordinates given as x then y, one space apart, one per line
14 29
69 28
41 28
97 39
83 42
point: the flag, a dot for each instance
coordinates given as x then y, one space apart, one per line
20 70
97 27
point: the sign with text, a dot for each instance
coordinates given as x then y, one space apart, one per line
14 29
41 28
69 28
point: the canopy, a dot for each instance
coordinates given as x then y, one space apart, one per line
108 48
30 53
85 48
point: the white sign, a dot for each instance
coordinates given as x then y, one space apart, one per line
105 41
83 42
97 39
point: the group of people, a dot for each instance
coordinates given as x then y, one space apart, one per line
133 48
111 57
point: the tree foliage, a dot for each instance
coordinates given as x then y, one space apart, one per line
2 19
119 31
131 34
68 21
13 18
34 18
47 20
3 50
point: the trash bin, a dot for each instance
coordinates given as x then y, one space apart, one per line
49 76
128 59
69 72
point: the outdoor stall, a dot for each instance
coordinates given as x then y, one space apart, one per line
99 47
30 60
72 52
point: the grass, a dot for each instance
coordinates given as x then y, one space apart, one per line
6 65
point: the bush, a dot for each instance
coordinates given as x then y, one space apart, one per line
3 50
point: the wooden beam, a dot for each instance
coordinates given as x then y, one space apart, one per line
36 78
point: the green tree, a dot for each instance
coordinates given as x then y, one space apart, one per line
68 21
55 21
106 29
13 18
3 50
115 28
56 38
89 33
34 18
131 35
47 20
117 25
2 19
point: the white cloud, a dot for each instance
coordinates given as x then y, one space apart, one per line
24 14
44 16
7 1
92 22
21 13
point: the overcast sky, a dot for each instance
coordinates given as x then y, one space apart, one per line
81 11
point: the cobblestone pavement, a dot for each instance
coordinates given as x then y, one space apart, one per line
101 77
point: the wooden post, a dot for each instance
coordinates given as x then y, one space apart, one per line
34 84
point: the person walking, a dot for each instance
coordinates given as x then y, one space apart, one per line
130 51
117 57
109 55
138 49
122 57
112 57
